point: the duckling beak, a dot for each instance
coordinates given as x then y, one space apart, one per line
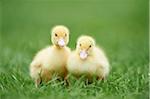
83 54
61 42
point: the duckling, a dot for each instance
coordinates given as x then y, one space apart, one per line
88 59
52 59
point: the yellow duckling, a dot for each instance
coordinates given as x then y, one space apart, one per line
52 59
88 59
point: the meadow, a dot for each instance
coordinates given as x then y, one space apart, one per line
120 27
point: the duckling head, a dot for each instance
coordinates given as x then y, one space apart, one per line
60 36
84 47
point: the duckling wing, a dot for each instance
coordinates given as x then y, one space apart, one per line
102 60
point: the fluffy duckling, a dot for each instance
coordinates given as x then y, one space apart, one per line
52 59
88 59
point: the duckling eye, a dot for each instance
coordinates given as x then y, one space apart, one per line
65 35
90 46
80 44
56 35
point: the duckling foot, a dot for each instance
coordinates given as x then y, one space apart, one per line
38 82
101 78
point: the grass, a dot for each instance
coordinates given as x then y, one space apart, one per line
119 26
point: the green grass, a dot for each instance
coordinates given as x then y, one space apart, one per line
119 26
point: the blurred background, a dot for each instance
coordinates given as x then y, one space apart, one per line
109 21
120 27
117 25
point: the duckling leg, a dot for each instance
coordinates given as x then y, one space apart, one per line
100 78
67 81
101 75
35 70
89 79
46 75
38 81
66 77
